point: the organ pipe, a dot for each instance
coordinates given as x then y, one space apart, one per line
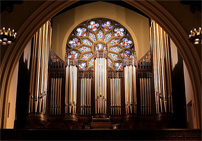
162 69
71 89
130 89
145 95
115 93
55 96
100 86
85 96
39 69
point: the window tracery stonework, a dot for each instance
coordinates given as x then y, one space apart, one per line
100 34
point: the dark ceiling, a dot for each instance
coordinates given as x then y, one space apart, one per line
8 5
120 3
195 5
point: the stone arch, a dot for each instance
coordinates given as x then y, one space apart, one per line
50 8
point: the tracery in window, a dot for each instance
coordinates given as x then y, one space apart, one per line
100 34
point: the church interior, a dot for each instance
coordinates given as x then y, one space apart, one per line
96 70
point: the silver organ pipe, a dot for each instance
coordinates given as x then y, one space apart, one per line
71 89
162 71
96 86
134 90
100 86
36 96
51 97
115 93
39 69
55 96
130 89
126 89
81 97
75 89
85 96
141 96
145 95
67 89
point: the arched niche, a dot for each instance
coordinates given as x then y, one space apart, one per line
48 9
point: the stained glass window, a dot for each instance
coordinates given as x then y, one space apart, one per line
86 56
82 66
91 62
93 25
84 49
107 25
92 36
119 32
126 54
113 42
108 36
81 32
109 62
118 66
73 54
113 56
115 49
87 42
75 42
126 43
100 47
100 34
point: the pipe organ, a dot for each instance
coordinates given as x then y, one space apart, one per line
162 71
56 84
101 91
39 69
85 96
115 90
85 92
130 86
71 86
145 93
114 85
145 84
55 94
100 82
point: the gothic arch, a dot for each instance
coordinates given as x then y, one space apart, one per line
50 8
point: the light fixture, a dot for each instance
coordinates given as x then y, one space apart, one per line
7 36
195 36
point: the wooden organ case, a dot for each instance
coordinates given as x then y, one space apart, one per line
129 101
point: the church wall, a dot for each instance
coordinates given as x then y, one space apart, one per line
188 90
19 79
12 100
190 104
136 24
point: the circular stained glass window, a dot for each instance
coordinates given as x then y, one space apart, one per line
100 34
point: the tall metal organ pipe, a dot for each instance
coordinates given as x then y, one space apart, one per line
130 89
39 69
100 85
162 69
71 89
